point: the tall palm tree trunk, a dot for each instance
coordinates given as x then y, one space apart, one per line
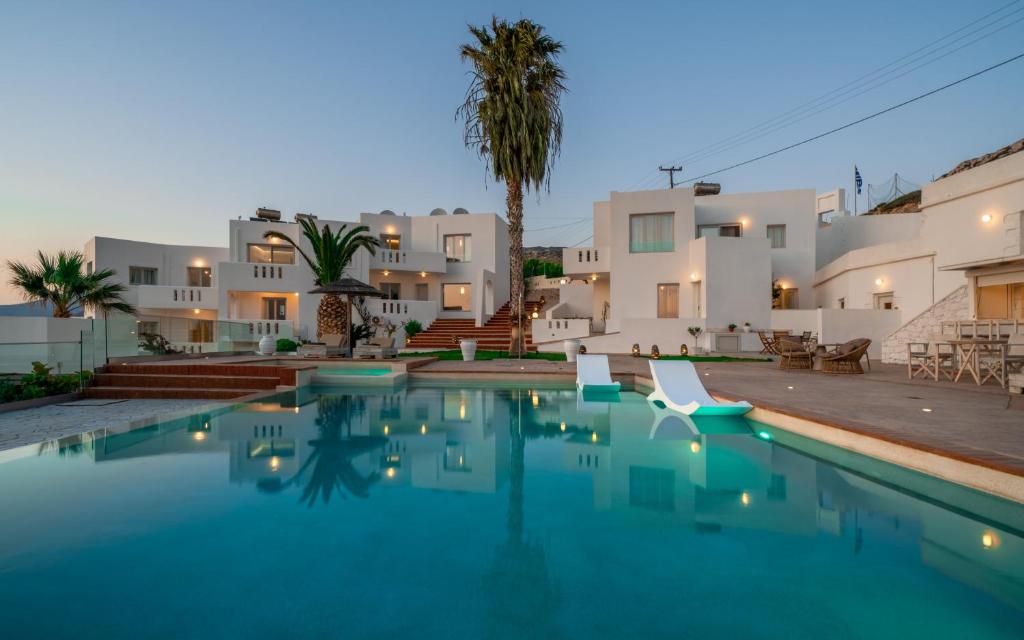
331 316
514 211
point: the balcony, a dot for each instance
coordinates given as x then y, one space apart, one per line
401 260
398 311
583 261
257 276
169 297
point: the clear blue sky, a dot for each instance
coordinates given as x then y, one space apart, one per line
160 121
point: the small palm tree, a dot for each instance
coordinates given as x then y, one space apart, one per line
332 253
60 282
513 119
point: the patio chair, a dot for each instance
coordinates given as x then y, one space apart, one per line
329 345
793 354
1015 354
379 347
933 358
678 387
767 343
845 358
805 336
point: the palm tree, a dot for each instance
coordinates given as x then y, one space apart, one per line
332 253
513 119
60 282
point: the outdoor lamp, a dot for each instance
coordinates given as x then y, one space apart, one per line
655 354
636 349
684 350
583 348
534 315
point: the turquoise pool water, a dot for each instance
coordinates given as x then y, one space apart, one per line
456 512
353 372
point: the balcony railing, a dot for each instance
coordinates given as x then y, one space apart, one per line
583 260
253 276
401 260
398 311
171 297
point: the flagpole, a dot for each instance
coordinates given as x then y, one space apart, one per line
855 189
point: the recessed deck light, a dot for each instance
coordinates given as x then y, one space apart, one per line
790 387
926 410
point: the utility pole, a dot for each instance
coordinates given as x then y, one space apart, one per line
671 174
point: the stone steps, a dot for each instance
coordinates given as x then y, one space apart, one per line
165 393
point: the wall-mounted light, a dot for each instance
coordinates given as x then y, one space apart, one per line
462 291
744 221
423 274
987 218
593 276
879 282
693 276
534 315
198 262
386 273
195 311
389 229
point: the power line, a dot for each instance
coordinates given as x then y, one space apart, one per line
582 241
557 226
864 119
650 177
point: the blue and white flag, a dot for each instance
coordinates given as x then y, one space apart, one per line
857 179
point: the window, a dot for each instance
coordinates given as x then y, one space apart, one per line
421 291
392 290
200 331
884 301
732 230
668 300
777 234
698 299
141 275
651 232
1000 302
271 254
275 308
390 241
456 297
200 277
88 268
457 248
147 327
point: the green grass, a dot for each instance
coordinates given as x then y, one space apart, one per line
455 354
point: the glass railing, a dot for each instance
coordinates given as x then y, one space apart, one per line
125 336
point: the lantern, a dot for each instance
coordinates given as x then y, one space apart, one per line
684 350
655 354
636 349
583 348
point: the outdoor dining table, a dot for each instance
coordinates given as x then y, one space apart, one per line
969 352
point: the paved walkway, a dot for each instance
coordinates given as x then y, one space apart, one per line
983 425
32 426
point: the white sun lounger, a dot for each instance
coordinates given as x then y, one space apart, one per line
593 374
678 387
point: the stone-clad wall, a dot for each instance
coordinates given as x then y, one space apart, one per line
925 325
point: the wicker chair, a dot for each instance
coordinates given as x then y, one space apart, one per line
845 358
793 354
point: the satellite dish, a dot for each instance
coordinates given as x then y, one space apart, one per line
459 211
439 212
387 212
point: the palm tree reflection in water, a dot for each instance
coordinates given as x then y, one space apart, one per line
329 467
522 594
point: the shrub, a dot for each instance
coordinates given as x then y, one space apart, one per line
412 327
284 345
40 383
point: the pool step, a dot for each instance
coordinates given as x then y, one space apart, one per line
169 381
165 393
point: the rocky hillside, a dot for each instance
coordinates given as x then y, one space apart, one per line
966 165
546 254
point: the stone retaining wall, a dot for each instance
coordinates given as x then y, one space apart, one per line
926 324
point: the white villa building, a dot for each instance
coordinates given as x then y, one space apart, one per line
663 261
430 266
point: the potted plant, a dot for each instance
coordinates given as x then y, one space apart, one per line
468 347
695 332
732 327
746 327
572 347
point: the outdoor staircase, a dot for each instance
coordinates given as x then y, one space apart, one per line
495 335
201 382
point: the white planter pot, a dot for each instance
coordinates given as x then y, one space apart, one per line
572 348
267 345
468 349
746 328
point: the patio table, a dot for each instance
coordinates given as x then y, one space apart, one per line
983 359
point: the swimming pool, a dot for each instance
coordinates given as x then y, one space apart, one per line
451 511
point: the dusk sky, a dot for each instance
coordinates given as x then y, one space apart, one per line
162 121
